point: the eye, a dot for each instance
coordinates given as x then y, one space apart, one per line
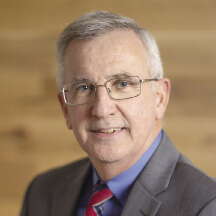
82 87
121 83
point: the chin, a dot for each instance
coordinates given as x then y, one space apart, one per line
108 155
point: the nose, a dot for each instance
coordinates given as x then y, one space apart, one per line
103 105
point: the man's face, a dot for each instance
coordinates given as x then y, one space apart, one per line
112 131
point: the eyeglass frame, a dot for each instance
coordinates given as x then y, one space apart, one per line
141 81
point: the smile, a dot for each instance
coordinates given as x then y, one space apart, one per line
108 130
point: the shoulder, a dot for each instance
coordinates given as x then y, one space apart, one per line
48 181
196 189
184 175
192 177
63 172
47 186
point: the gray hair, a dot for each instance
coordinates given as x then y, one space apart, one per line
97 23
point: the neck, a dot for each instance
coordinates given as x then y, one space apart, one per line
108 170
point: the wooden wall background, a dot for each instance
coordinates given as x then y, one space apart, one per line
33 135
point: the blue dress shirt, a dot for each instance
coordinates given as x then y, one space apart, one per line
120 185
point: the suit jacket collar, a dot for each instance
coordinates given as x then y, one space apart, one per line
153 180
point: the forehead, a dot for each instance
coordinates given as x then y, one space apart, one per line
116 52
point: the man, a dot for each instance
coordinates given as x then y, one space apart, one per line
114 96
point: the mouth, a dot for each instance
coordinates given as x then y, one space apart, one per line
109 130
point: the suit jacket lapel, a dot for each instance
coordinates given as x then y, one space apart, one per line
67 195
153 180
140 203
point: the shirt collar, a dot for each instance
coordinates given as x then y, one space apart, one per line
121 184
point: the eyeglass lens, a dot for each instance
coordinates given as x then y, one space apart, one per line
84 92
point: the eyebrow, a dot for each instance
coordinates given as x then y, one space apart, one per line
80 80
120 75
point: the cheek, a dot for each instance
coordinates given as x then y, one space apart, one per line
141 110
141 117
77 120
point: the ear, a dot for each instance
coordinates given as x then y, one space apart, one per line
163 90
64 110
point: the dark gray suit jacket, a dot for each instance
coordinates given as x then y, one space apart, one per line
168 186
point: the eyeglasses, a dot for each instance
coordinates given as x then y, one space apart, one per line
84 91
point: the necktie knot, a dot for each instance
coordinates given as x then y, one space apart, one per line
97 198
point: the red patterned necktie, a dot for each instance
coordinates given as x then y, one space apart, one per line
98 198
